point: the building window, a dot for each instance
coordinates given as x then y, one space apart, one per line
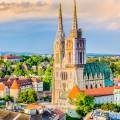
79 57
96 86
66 76
69 57
57 58
91 86
100 85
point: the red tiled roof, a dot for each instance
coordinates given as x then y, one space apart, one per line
92 92
117 87
99 91
117 79
15 85
18 82
34 106
10 57
36 80
2 87
74 92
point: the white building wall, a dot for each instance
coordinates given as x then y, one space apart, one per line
1 94
117 96
38 86
104 99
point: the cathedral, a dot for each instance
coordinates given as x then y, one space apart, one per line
70 66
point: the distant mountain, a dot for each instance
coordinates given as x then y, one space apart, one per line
16 53
20 53
100 54
29 54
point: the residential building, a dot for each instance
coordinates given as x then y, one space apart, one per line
11 58
37 84
101 95
15 89
33 109
4 90
13 86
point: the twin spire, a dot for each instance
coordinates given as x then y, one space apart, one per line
74 20
60 24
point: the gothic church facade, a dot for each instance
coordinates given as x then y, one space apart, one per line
70 60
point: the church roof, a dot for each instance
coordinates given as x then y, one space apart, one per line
97 68
74 92
96 92
100 91
108 83
2 87
15 85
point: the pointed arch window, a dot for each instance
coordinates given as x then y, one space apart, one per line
91 86
80 57
69 57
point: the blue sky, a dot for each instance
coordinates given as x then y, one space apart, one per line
38 35
35 30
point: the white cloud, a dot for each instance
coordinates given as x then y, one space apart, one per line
100 13
113 26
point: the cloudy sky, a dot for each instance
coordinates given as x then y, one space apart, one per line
33 28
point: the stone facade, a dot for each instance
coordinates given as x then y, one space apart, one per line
69 61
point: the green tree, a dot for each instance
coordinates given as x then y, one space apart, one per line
84 104
47 78
70 118
28 96
34 60
41 73
2 74
115 67
19 70
109 106
8 98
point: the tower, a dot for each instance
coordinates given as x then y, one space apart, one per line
69 60
14 89
59 51
75 52
60 41
74 21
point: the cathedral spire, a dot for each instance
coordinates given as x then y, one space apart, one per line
60 33
60 22
74 24
74 20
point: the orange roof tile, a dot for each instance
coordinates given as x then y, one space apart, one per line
2 87
34 106
117 79
10 57
15 85
74 92
92 92
117 87
99 91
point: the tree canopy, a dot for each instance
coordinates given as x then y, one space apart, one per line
28 96
84 104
